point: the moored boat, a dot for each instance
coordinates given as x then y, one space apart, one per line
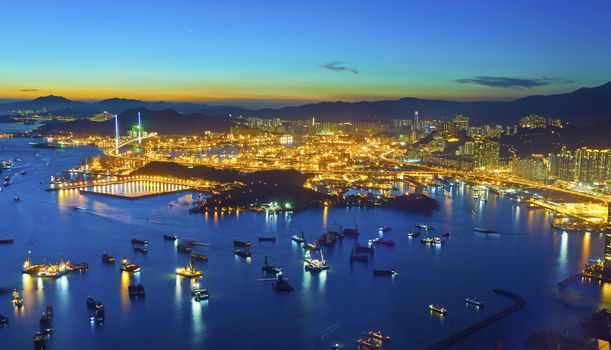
3 320
281 285
385 229
127 266
358 258
382 241
424 227
199 257
267 238
169 237
108 259
136 291
139 241
298 238
243 252
17 299
270 268
199 294
364 343
7 241
413 234
240 244
379 336
183 248
438 309
390 272
39 341
139 249
475 302
363 249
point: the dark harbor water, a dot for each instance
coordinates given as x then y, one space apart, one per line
243 312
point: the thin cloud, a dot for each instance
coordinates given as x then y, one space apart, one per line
512 83
28 90
338 67
187 29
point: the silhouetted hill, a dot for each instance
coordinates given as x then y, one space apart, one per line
583 106
163 122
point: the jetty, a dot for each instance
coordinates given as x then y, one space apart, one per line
518 304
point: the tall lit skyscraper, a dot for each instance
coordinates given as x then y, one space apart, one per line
116 133
608 243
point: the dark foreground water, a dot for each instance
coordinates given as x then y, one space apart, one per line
246 313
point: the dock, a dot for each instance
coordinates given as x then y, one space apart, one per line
519 303
570 280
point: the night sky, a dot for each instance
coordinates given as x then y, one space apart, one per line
283 52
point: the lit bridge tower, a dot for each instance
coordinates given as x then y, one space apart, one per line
139 129
116 134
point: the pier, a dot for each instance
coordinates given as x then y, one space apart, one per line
570 280
519 303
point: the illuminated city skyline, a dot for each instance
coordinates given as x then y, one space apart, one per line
279 53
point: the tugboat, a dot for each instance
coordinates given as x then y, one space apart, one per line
298 238
183 248
3 320
39 341
17 299
199 257
189 271
139 249
240 244
281 285
475 302
385 229
363 343
267 238
382 241
108 259
168 237
379 336
413 234
139 241
438 309
358 258
136 291
267 268
127 266
199 294
390 273
438 240
243 252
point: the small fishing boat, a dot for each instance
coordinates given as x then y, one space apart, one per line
39 341
99 313
267 268
281 285
474 302
390 273
427 240
17 299
7 241
108 259
316 265
311 246
183 248
139 249
3 320
82 267
46 324
170 237
199 294
267 238
243 252
240 244
379 336
298 238
199 257
189 271
483 230
127 266
139 241
351 232
382 241
413 234
16 198
136 291
424 227
385 229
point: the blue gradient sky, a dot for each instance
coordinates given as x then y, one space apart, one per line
269 52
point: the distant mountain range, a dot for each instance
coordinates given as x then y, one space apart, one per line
167 122
582 107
